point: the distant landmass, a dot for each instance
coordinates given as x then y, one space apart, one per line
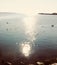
11 14
48 13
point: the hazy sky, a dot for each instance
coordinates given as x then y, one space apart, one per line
28 6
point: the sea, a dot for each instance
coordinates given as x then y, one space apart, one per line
28 38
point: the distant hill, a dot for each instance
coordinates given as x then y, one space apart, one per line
10 13
48 13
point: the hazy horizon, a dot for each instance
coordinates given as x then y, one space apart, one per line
28 6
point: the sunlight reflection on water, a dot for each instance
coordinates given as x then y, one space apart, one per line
30 32
30 29
26 49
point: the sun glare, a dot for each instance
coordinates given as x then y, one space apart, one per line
26 49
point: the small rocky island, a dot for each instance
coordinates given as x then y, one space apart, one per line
48 13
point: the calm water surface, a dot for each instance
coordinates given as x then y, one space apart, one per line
28 38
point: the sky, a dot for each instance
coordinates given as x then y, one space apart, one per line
28 6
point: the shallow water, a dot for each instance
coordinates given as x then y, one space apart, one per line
28 38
